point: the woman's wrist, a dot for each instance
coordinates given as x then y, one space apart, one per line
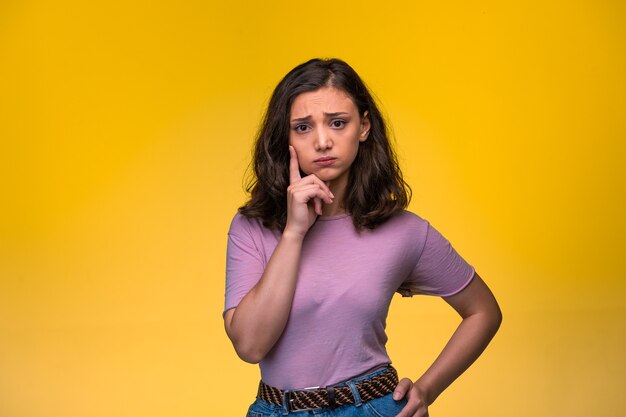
293 236
425 390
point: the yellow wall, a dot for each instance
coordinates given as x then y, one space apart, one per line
126 130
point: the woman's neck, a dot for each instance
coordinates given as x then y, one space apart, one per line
338 188
329 212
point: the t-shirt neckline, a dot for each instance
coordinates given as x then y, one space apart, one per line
335 217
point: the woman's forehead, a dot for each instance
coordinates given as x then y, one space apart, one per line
322 100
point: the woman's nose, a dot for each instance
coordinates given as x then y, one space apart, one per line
323 140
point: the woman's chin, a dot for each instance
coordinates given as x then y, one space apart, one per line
324 176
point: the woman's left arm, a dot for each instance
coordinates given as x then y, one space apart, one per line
481 320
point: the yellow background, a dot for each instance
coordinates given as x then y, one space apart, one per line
126 130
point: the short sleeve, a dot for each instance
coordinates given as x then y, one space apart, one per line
244 262
439 270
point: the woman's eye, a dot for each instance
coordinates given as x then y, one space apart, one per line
301 128
338 123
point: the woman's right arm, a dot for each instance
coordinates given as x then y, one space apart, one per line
259 319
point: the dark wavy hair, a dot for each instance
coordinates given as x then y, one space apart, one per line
375 189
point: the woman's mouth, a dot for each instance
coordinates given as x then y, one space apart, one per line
325 161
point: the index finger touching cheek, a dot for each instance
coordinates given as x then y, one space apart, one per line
294 168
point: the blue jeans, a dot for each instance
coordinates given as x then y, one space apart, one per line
384 406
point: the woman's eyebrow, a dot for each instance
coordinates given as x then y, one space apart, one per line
301 119
334 114
339 113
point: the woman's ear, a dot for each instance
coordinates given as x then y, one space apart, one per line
365 127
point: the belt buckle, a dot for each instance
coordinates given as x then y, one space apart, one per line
288 399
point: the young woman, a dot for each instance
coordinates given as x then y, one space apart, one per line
316 255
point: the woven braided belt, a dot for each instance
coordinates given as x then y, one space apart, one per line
332 396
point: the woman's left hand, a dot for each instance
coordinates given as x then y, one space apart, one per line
417 405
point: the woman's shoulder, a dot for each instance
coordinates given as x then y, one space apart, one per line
403 223
241 223
408 218
239 219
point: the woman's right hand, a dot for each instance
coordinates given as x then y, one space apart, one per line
304 197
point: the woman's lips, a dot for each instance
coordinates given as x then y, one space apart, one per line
325 161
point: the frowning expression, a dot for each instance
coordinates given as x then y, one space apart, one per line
326 130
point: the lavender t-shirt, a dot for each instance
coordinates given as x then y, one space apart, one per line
346 280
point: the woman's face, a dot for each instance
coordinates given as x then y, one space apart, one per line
325 130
